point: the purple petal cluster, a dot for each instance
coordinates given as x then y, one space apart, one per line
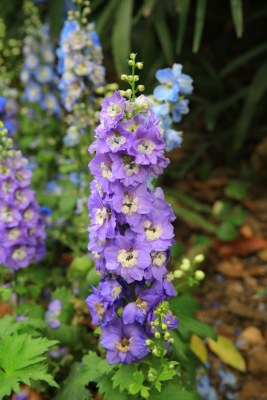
37 73
22 229
131 228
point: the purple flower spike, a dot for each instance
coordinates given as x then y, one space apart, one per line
22 228
131 228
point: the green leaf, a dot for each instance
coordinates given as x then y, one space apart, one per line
243 59
166 375
237 15
227 231
139 377
22 360
163 33
96 367
227 352
199 23
144 392
184 6
236 190
104 16
121 35
134 388
74 385
256 92
123 377
55 10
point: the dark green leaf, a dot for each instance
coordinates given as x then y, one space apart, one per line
121 35
227 231
184 6
237 15
199 23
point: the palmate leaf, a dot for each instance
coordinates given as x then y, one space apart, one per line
74 385
22 360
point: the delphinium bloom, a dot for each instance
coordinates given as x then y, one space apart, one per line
131 228
80 69
170 103
38 72
22 228
8 96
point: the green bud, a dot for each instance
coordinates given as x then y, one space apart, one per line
199 258
140 88
157 335
133 56
136 78
164 327
155 351
148 342
186 265
171 340
178 274
131 63
124 77
199 275
139 65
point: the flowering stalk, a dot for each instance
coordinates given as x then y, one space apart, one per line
80 67
37 73
22 230
131 228
169 102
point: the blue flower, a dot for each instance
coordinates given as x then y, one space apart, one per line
3 102
172 138
33 92
180 109
169 90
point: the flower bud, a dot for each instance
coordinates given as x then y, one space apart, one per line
178 274
141 88
157 335
199 258
199 275
148 342
164 327
139 65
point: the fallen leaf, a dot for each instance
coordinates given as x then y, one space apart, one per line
227 352
233 268
263 255
257 360
198 348
241 246
246 231
252 335
5 309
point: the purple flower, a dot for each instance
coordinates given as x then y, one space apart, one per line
128 257
22 229
52 315
124 343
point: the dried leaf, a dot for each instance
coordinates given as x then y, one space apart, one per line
227 352
198 348
241 246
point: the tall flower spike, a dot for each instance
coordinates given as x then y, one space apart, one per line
22 229
37 74
131 228
80 69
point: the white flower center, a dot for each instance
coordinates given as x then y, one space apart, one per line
19 254
158 258
6 215
115 141
96 255
100 216
127 258
13 234
20 197
28 215
106 172
113 110
129 204
146 147
7 187
152 232
131 169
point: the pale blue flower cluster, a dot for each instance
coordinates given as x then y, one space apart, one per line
169 102
37 73
80 61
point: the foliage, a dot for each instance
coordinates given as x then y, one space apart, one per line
22 360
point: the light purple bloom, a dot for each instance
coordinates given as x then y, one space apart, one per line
124 343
